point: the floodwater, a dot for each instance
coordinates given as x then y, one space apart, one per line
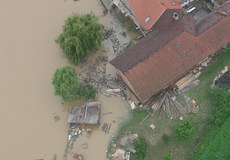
28 59
113 112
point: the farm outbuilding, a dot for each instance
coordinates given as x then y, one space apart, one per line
176 46
86 114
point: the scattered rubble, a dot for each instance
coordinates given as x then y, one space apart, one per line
124 92
74 133
118 47
95 76
106 128
120 153
122 148
78 157
93 72
128 141
108 32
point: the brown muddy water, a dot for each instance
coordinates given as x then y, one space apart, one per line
28 59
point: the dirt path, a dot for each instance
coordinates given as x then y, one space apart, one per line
28 59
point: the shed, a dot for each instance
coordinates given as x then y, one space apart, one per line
86 114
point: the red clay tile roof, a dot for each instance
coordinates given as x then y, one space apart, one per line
162 57
151 8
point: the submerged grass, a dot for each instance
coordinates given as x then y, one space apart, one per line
176 149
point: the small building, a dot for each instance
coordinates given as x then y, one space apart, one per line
177 45
87 114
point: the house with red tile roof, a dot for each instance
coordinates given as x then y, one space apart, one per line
175 47
145 13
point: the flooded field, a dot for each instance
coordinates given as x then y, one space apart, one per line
28 59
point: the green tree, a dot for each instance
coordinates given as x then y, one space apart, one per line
167 157
184 131
81 34
87 91
140 146
66 84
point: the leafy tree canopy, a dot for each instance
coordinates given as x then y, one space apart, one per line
81 34
68 87
87 91
66 83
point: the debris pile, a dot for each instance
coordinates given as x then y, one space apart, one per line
93 72
123 147
108 32
118 88
96 76
168 103
128 141
74 133
118 47
120 153
106 128
101 59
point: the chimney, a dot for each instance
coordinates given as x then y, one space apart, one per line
175 16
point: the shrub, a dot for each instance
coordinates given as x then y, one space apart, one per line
67 86
184 131
87 91
140 146
66 83
165 138
167 157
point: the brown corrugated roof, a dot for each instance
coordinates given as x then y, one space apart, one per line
162 57
143 49
166 25
166 65
208 21
151 8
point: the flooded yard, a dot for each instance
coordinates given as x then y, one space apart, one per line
28 59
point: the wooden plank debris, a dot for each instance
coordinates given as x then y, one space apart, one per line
167 102
107 113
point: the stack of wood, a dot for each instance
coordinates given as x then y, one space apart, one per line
185 81
167 102
106 128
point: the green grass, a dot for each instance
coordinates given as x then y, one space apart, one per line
134 123
215 144
184 149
